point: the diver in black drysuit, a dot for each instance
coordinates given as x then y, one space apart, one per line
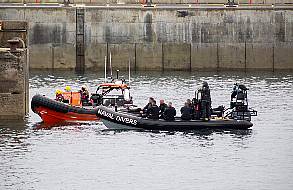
153 112
169 113
186 112
205 101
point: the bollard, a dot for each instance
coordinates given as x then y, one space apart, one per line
13 44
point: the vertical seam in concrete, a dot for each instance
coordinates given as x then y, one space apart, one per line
107 57
53 56
245 56
26 87
190 68
273 69
218 59
135 57
163 57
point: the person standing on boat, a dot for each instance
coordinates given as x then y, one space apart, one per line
154 111
84 94
205 101
186 112
162 107
170 112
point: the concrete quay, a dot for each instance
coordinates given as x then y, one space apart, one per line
13 70
164 37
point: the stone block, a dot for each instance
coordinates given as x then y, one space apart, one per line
283 55
11 73
231 56
64 56
5 36
12 106
149 56
13 85
121 55
204 56
259 56
14 25
95 56
176 56
41 56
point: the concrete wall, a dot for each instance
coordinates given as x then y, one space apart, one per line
158 39
103 2
51 35
13 73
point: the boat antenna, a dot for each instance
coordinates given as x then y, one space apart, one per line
111 73
105 69
129 72
117 72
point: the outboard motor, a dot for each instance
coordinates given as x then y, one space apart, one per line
239 104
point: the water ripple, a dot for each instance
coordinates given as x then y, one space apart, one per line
84 156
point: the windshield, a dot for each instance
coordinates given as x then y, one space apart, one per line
127 94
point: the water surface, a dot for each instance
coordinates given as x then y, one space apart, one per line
83 156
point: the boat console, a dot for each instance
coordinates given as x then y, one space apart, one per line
239 109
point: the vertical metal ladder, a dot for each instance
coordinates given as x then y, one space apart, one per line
80 47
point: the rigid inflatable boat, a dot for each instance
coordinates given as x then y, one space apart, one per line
53 112
107 94
123 120
237 116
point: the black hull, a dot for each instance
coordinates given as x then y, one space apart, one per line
118 120
39 100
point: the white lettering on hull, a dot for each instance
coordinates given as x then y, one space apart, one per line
118 118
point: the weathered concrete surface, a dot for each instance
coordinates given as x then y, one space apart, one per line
283 55
95 55
208 38
204 56
231 56
13 92
148 56
176 57
13 73
121 55
51 35
103 2
262 54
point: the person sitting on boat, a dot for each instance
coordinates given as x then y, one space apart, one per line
162 107
191 105
67 89
59 96
154 111
84 94
186 112
170 112
67 94
149 105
